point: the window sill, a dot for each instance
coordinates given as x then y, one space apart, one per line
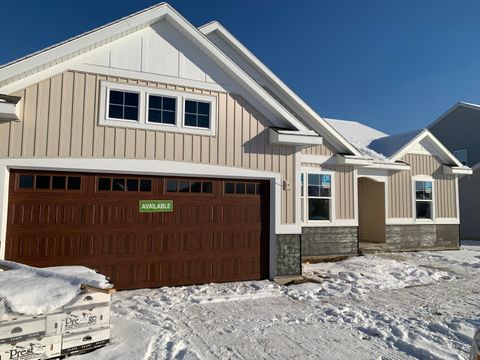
130 124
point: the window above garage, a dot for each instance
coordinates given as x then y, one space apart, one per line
132 106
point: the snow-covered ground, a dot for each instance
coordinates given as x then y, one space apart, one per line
390 306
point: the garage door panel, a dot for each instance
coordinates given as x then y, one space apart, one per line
207 238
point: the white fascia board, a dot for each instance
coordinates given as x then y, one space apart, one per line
389 166
422 135
215 26
8 111
293 138
454 170
353 160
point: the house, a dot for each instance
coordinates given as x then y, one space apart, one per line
164 154
457 128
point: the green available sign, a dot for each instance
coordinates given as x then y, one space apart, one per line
155 206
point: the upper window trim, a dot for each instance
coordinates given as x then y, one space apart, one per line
143 123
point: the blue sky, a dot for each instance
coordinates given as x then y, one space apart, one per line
394 65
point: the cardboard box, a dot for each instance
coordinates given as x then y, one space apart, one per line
84 341
32 349
77 319
21 328
89 297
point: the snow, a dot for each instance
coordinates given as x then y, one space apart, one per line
33 291
359 135
388 306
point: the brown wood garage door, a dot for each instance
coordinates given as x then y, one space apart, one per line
218 230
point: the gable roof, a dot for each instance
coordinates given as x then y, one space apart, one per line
44 59
453 108
381 147
281 91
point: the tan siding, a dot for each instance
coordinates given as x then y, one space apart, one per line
324 149
400 184
344 189
60 119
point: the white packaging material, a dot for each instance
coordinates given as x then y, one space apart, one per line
32 349
78 319
85 340
21 328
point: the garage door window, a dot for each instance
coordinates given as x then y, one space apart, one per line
124 184
48 182
242 188
188 186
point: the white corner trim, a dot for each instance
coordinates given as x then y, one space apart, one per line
4 181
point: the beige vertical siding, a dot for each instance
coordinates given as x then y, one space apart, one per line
324 149
344 189
400 185
60 119
371 210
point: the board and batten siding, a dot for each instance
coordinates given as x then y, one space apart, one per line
324 149
59 118
344 189
400 187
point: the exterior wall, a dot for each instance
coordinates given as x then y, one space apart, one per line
59 119
288 255
329 241
371 210
400 192
459 130
324 149
469 204
421 237
344 188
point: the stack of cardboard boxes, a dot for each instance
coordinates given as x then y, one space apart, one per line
79 326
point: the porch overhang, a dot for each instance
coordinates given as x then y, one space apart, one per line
353 160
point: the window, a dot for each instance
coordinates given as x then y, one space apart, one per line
123 105
156 108
242 188
461 155
124 184
197 114
49 182
162 109
319 194
423 199
188 186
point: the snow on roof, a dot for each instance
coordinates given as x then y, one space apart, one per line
359 135
33 291
390 145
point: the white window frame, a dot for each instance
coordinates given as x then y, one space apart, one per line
142 122
466 155
423 178
305 198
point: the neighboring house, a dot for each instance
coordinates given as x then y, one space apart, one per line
458 129
163 154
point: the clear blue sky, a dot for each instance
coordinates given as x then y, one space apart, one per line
394 65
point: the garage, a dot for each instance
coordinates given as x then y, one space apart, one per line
141 231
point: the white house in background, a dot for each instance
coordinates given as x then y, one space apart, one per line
164 154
